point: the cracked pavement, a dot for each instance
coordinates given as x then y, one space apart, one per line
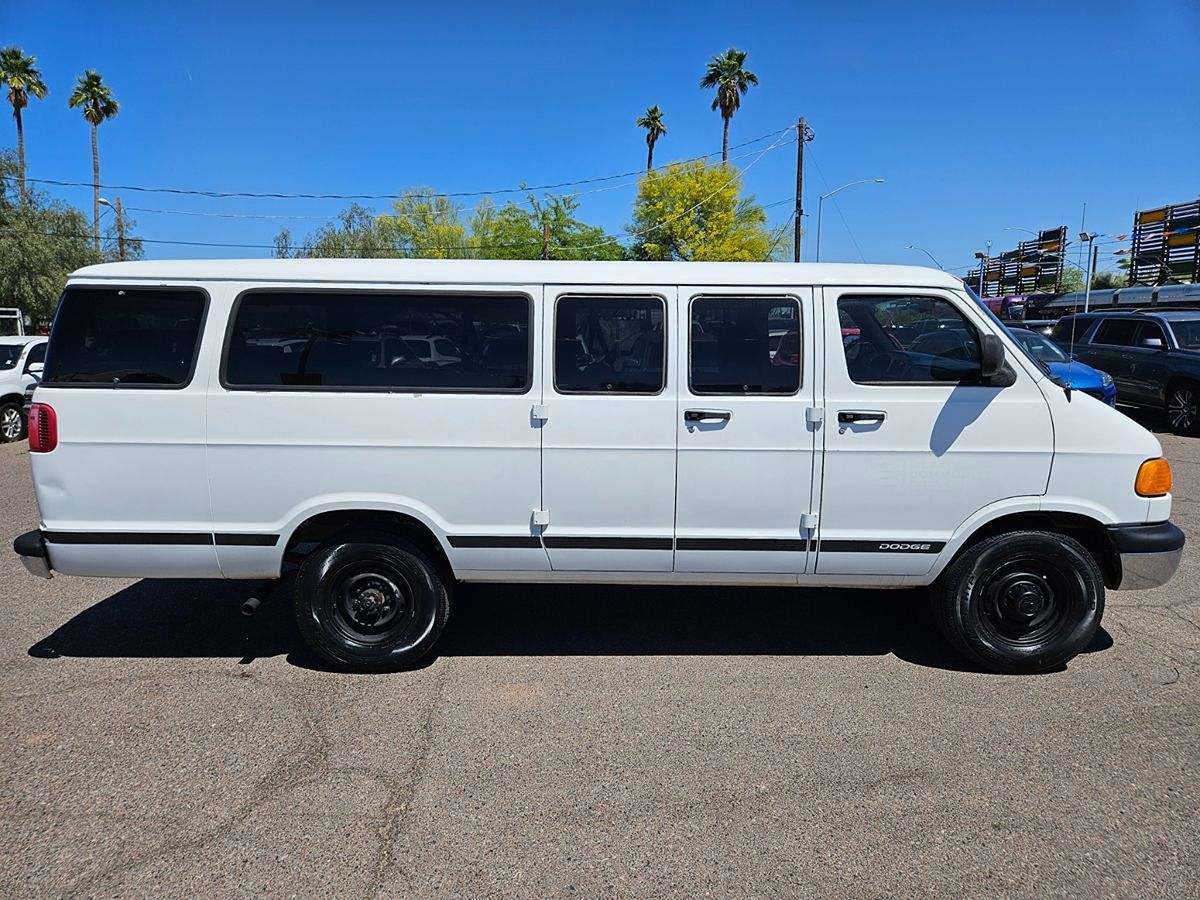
595 741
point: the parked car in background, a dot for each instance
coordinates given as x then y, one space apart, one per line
21 359
434 348
1066 370
1154 357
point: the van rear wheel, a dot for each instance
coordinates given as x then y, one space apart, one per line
1021 602
370 603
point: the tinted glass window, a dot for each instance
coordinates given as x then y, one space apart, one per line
609 345
10 354
1187 333
745 345
125 337
913 340
352 340
1120 332
1064 328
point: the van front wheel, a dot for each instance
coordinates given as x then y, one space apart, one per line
1021 602
12 422
370 603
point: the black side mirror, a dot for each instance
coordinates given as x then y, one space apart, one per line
991 362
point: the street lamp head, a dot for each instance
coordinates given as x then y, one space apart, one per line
980 255
1084 236
104 201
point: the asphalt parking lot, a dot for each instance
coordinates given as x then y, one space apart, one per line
589 742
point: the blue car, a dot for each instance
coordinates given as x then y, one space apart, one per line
1063 369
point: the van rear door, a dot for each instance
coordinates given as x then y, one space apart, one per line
608 432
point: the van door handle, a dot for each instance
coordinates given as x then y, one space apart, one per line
859 416
707 415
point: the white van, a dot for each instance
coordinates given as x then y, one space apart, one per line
701 423
21 360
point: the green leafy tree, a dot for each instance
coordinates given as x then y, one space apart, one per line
98 105
652 121
355 233
1107 281
547 227
41 242
111 241
24 80
727 73
1072 280
426 225
695 212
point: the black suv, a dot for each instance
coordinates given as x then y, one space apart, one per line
1154 357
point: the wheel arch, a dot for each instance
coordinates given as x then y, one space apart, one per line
1089 532
319 527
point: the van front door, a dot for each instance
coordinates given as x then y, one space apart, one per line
608 432
745 443
914 443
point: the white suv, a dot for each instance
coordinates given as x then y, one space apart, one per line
21 360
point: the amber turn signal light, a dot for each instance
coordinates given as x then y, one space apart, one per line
1153 478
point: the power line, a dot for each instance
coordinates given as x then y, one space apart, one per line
393 196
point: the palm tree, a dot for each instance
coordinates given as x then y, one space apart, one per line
727 75
98 104
652 121
24 80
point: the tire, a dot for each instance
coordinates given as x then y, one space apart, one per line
13 425
370 603
1022 602
1183 407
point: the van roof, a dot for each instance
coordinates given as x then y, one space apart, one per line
437 271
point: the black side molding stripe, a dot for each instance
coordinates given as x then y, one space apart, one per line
247 540
127 537
608 543
793 545
161 538
494 542
882 546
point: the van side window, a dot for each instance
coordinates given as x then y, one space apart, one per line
745 345
359 340
609 345
1117 332
125 337
907 340
36 355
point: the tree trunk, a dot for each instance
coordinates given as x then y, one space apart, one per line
725 141
95 190
649 157
21 150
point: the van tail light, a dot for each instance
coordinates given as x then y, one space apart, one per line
1153 478
43 428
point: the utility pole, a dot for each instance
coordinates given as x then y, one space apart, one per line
545 240
120 230
803 135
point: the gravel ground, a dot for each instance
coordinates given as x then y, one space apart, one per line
591 742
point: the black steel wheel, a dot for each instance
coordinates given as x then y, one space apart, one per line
370 603
1021 602
1183 407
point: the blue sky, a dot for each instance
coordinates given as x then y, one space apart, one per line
979 116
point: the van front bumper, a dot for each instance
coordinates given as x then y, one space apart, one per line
31 547
1150 554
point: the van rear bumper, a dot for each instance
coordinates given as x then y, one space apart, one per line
31 547
1150 554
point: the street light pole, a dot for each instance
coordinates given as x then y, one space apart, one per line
1091 264
821 202
927 253
803 134
116 208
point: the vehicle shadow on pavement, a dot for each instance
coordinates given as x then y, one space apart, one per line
181 619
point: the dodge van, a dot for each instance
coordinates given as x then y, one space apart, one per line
379 430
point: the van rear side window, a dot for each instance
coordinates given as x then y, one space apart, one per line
121 337
357 340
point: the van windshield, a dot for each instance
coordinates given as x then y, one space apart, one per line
124 337
996 320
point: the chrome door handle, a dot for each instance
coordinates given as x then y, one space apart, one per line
860 416
707 415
